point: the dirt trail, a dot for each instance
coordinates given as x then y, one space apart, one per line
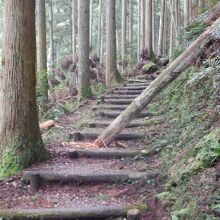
80 182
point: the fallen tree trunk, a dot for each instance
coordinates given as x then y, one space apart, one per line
169 74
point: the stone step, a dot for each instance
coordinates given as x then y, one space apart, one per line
114 114
100 212
80 136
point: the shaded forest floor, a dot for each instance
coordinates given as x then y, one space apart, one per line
176 154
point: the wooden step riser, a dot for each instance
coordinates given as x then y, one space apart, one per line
106 154
77 136
111 115
35 178
105 124
101 212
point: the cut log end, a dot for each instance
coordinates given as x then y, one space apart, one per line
47 125
134 214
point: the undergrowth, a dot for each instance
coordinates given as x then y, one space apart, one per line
191 143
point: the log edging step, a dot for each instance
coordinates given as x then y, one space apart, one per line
126 92
35 178
110 107
106 153
131 88
107 123
116 101
79 136
73 213
115 96
114 114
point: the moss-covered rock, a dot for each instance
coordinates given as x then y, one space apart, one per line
149 67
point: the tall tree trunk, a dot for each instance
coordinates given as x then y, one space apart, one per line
130 35
166 76
99 28
171 31
74 22
43 54
186 12
161 28
138 32
20 140
142 24
123 26
83 30
103 35
91 25
51 60
148 30
111 54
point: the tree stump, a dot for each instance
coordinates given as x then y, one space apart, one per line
134 214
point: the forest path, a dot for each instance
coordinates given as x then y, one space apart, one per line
85 182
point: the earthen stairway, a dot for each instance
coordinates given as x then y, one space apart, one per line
91 166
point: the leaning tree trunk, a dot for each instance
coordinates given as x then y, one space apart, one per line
43 55
111 55
21 144
83 41
166 76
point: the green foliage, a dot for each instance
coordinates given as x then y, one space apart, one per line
197 158
98 89
58 110
188 35
42 84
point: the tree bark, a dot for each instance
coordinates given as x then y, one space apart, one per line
161 28
21 144
166 76
83 30
148 30
111 55
42 42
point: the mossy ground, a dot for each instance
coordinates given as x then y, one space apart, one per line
190 143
